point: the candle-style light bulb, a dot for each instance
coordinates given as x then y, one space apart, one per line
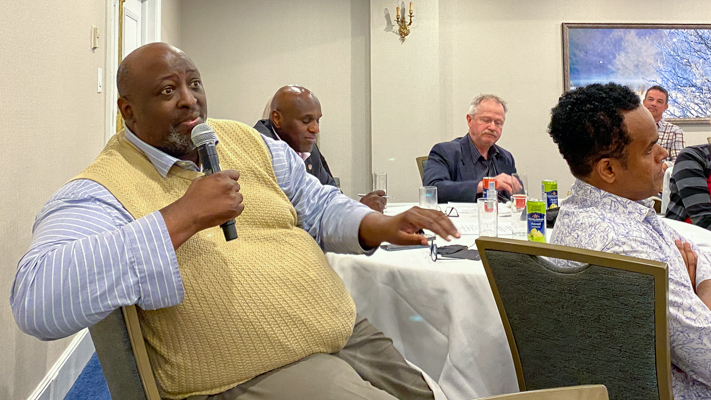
410 7
397 12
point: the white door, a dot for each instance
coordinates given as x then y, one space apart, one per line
140 25
132 25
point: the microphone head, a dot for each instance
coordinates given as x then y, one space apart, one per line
203 134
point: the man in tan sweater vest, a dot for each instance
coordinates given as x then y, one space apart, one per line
260 317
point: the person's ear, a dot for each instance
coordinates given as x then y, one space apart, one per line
276 119
606 169
125 108
666 105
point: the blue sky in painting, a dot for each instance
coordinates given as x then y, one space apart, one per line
677 59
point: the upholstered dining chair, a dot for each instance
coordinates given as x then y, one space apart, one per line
603 322
122 353
421 162
583 392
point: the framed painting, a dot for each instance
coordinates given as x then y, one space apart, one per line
676 57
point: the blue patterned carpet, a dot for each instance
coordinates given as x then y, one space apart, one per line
90 385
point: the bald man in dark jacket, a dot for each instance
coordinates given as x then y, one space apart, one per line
294 118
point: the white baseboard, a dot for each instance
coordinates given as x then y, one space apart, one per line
66 370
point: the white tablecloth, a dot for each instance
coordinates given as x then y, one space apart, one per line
441 315
695 234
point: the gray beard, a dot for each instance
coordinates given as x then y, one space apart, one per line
176 144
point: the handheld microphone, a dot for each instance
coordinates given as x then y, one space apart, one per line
204 139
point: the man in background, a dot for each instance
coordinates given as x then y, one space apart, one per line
457 168
671 137
610 144
294 117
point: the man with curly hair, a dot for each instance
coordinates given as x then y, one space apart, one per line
610 143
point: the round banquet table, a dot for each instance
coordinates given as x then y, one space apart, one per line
440 315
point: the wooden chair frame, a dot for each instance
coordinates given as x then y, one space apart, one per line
421 165
597 392
118 364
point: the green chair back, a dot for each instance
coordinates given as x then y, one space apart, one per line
604 322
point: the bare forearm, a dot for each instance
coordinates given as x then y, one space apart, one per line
180 228
372 229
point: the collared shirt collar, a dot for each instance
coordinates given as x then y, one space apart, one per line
303 156
475 151
160 160
588 196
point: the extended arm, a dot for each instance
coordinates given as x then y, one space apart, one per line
340 224
322 210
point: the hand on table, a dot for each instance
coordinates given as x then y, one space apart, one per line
504 182
375 200
376 228
209 201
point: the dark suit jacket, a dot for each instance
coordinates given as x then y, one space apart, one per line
315 163
450 167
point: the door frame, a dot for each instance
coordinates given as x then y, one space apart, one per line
150 32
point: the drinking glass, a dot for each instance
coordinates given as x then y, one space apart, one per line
488 217
519 216
380 182
520 183
428 197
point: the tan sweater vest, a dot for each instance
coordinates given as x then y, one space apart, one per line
253 304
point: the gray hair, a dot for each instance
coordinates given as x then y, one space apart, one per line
474 106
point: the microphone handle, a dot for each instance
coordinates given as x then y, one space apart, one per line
228 228
210 165
208 158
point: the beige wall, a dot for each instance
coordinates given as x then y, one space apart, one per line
459 49
256 47
409 95
53 127
170 22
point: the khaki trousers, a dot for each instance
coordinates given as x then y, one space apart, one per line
368 367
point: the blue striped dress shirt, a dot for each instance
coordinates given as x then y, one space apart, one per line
89 256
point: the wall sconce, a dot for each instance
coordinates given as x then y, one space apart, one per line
404 27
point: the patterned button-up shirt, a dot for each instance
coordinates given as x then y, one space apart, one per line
597 220
671 137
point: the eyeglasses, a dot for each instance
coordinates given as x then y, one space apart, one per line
451 212
434 254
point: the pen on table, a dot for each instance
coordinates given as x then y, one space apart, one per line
386 197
